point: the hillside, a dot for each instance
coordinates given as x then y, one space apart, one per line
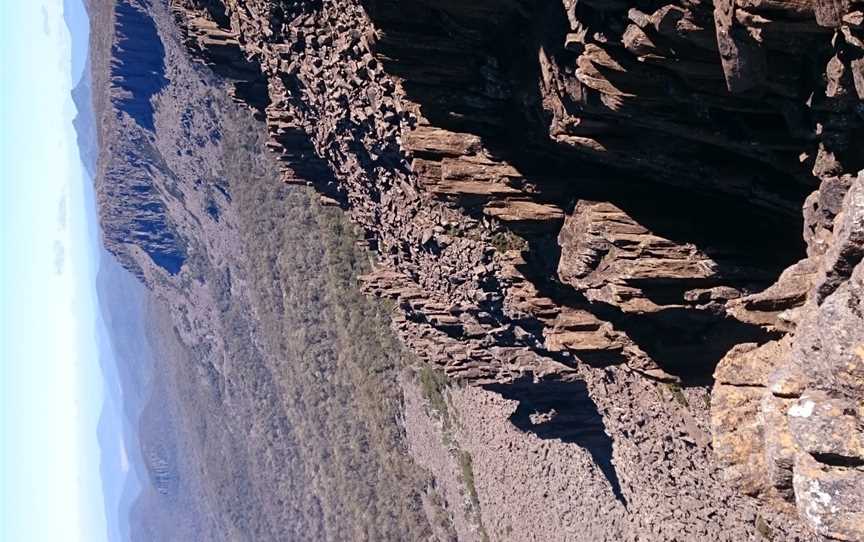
273 403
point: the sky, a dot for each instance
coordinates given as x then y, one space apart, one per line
51 391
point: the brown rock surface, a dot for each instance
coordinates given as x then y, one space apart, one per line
802 416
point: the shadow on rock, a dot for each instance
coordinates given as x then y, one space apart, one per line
565 411
685 341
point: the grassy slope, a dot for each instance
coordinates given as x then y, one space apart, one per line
300 439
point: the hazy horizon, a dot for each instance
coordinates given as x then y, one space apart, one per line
54 406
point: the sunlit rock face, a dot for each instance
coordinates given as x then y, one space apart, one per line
787 416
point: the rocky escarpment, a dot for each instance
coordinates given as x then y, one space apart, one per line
566 191
135 73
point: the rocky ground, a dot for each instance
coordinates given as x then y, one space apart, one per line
589 217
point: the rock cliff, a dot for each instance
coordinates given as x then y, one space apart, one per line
642 221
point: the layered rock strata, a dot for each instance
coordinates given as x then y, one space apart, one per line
600 192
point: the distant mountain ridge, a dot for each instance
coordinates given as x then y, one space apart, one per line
124 352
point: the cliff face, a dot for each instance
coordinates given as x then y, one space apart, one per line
568 192
133 72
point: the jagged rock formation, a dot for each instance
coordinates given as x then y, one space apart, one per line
137 65
787 415
565 191
136 72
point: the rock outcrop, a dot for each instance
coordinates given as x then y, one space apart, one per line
787 415
590 191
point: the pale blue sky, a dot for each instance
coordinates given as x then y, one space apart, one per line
50 382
